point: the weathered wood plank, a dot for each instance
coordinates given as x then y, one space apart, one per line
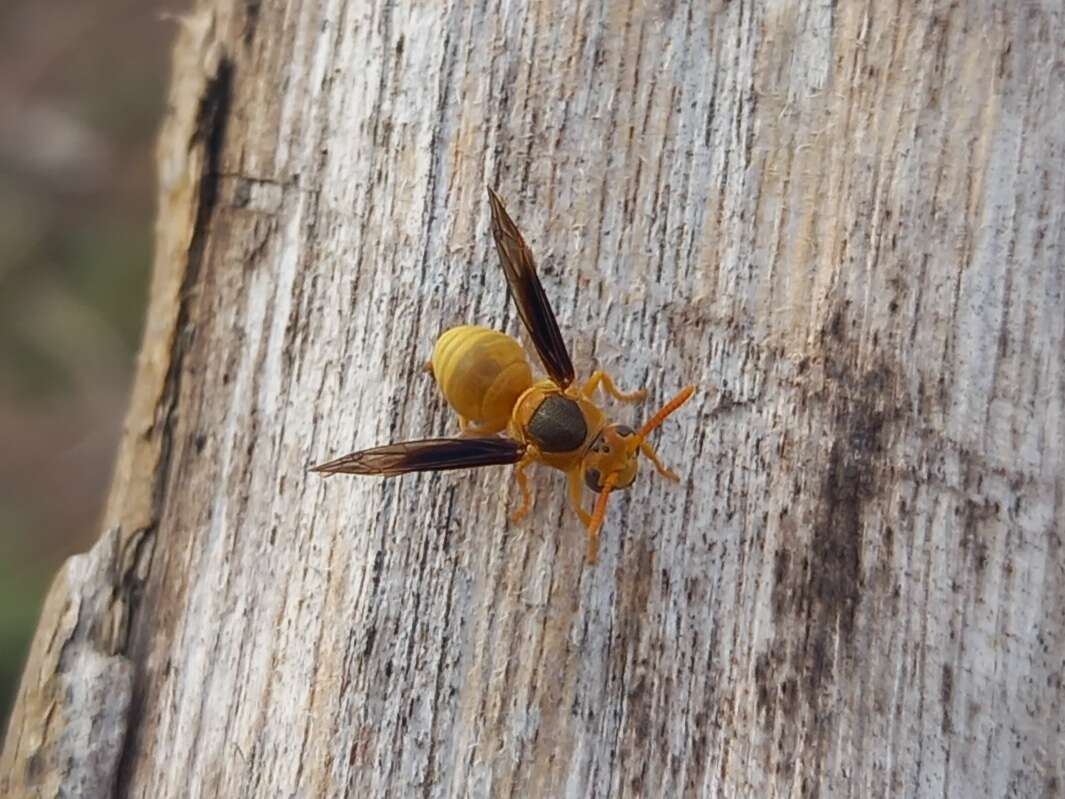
844 221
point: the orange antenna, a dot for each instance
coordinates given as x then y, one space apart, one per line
663 414
597 516
612 479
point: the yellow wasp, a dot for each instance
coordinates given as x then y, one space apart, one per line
485 376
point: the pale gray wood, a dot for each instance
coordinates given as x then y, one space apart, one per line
844 221
66 734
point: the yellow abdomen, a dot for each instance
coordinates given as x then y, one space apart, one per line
481 374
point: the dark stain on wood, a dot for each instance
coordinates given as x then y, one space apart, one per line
642 718
251 20
972 516
817 565
946 698
817 575
846 485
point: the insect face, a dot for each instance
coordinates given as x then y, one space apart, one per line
613 452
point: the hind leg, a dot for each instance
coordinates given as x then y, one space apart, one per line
523 484
471 428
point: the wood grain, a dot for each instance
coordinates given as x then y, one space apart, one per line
845 222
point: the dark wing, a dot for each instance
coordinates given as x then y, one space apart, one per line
528 294
427 455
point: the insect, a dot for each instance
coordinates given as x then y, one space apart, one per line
486 378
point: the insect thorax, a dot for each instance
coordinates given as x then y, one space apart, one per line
557 425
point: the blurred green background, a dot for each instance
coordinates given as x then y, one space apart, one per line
82 88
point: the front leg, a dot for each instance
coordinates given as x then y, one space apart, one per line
599 376
575 483
661 468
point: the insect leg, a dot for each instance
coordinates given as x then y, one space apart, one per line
575 483
662 469
599 376
523 484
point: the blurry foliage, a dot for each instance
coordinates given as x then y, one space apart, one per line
82 86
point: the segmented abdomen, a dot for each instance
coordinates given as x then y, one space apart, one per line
481 373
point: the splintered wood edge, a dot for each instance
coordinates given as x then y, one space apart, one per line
69 721
181 158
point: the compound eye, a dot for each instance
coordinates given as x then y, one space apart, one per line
625 431
593 479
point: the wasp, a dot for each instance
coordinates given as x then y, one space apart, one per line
486 378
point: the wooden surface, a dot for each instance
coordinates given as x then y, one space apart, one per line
845 222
